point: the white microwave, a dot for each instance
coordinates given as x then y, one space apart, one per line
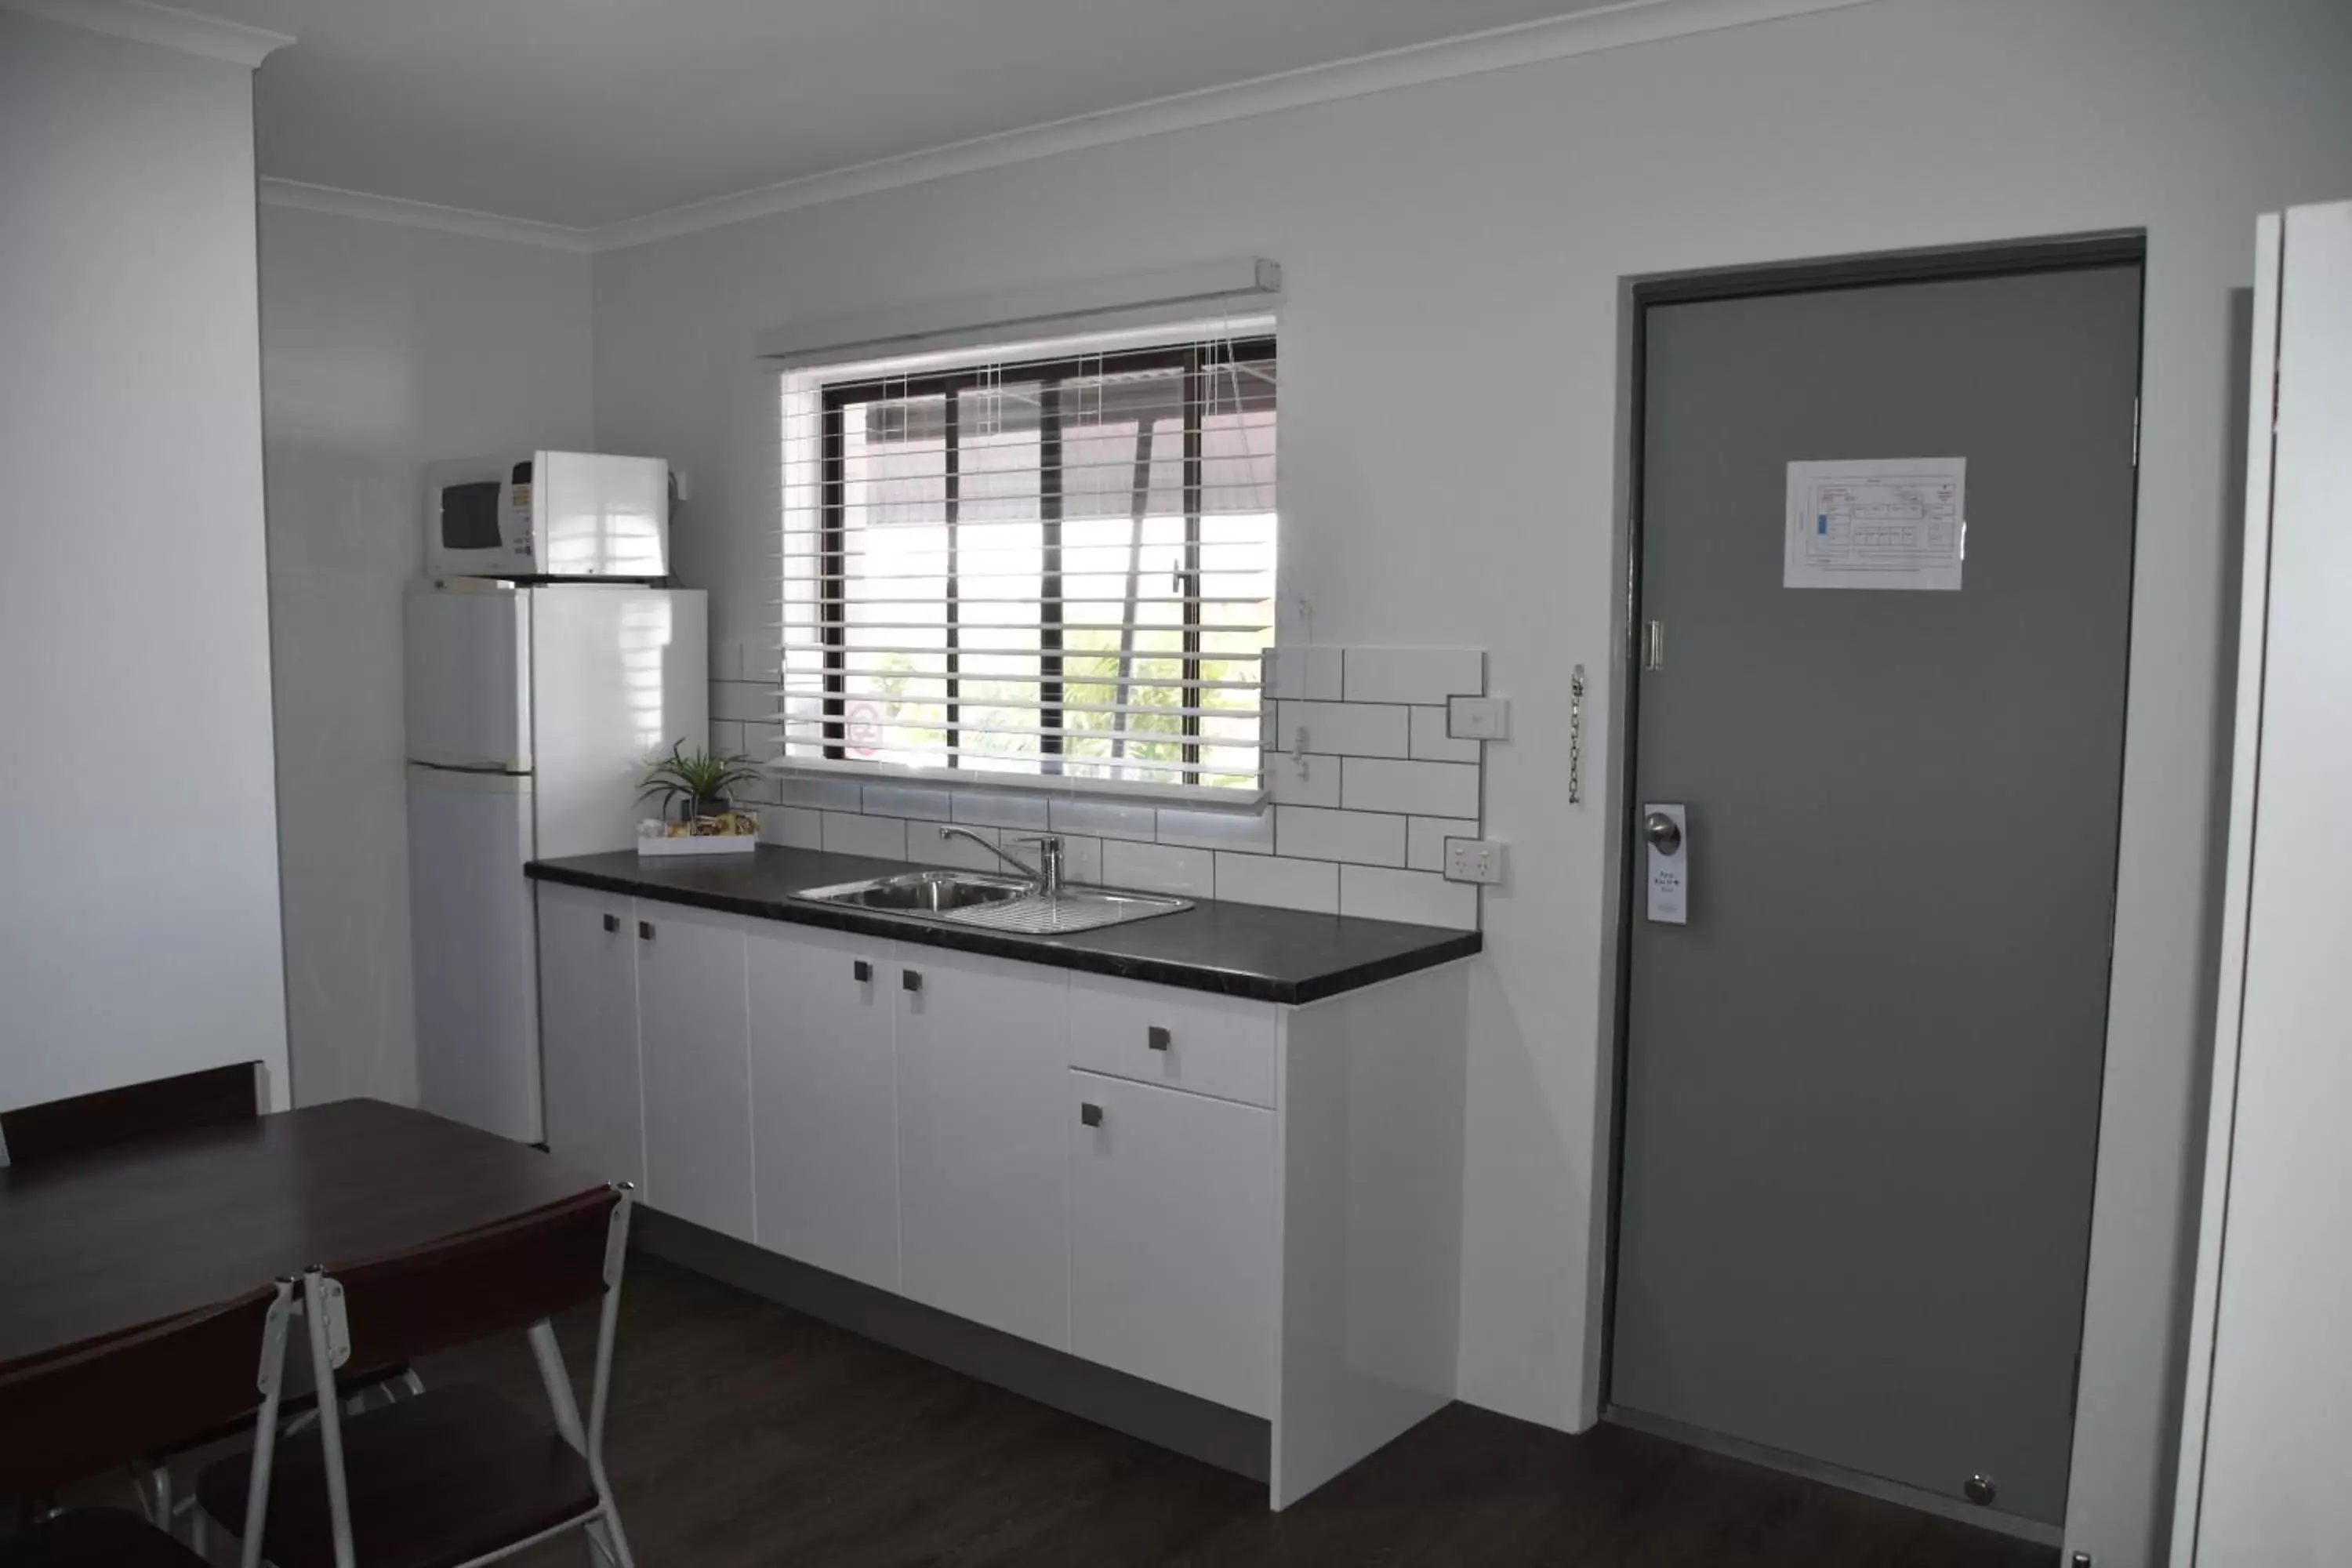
549 514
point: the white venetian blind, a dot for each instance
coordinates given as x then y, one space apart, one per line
1055 564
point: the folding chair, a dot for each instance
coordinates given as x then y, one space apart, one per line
456 1476
68 1416
37 1135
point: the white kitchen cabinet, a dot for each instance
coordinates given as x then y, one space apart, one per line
694 1038
983 1208
1265 1212
823 1114
1173 1265
588 1032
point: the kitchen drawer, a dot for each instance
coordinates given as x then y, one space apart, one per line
1210 1045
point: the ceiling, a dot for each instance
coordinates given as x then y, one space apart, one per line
587 112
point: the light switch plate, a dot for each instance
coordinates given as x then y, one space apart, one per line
1477 718
1474 861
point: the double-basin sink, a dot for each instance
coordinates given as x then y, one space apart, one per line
993 903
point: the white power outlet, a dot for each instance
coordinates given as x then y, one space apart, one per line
1474 861
1478 718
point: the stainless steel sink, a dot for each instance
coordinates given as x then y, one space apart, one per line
993 903
920 892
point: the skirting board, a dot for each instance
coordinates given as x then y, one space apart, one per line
1193 1427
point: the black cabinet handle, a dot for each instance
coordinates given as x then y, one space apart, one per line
644 931
911 980
863 970
1090 1115
612 924
1158 1038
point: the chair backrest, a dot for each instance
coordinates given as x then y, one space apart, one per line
111 1115
506 1276
82 1411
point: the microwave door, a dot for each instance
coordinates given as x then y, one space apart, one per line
467 666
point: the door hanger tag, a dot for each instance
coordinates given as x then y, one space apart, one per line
1665 833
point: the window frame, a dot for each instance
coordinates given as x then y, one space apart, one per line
1196 359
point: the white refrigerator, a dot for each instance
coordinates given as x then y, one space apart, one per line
530 713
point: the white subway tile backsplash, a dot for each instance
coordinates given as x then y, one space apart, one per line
1431 743
907 800
1251 832
725 736
1414 674
1104 819
1081 860
823 794
1293 780
1159 868
1026 812
1424 841
848 833
1364 836
763 743
1310 885
1420 789
744 699
1417 898
1363 786
1346 729
1307 671
792 826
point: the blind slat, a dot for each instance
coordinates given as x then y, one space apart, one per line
1059 492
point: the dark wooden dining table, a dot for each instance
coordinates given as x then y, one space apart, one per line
140 1232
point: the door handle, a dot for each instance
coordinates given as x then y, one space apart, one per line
1090 1115
864 971
1158 1038
1663 831
644 931
911 980
612 924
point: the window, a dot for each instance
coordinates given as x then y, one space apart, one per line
1056 567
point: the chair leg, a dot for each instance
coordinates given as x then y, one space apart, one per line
200 1535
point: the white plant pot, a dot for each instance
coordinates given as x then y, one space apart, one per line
653 841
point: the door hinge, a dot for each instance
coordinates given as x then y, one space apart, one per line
2135 431
1653 644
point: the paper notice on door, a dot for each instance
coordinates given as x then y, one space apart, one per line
1876 522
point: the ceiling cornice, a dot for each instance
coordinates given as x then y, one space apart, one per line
161 25
1613 27
275 193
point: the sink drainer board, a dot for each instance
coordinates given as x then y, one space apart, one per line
1037 916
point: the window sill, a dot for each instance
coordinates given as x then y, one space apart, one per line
1240 802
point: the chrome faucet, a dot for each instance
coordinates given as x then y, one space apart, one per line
1046 874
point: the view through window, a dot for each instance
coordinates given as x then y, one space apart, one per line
1061 568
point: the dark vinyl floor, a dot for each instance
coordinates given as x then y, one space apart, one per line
743 1433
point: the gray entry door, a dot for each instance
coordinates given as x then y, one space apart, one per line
1862 1083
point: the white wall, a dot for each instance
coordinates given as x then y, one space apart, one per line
384 346
139 932
1454 255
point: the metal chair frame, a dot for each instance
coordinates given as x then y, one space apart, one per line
330 1335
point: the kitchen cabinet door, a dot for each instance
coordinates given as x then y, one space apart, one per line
694 1041
824 1119
983 1211
1172 1238
588 1032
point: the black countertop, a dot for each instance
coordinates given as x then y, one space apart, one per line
1235 949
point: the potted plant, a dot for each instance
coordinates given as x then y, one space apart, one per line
699 785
